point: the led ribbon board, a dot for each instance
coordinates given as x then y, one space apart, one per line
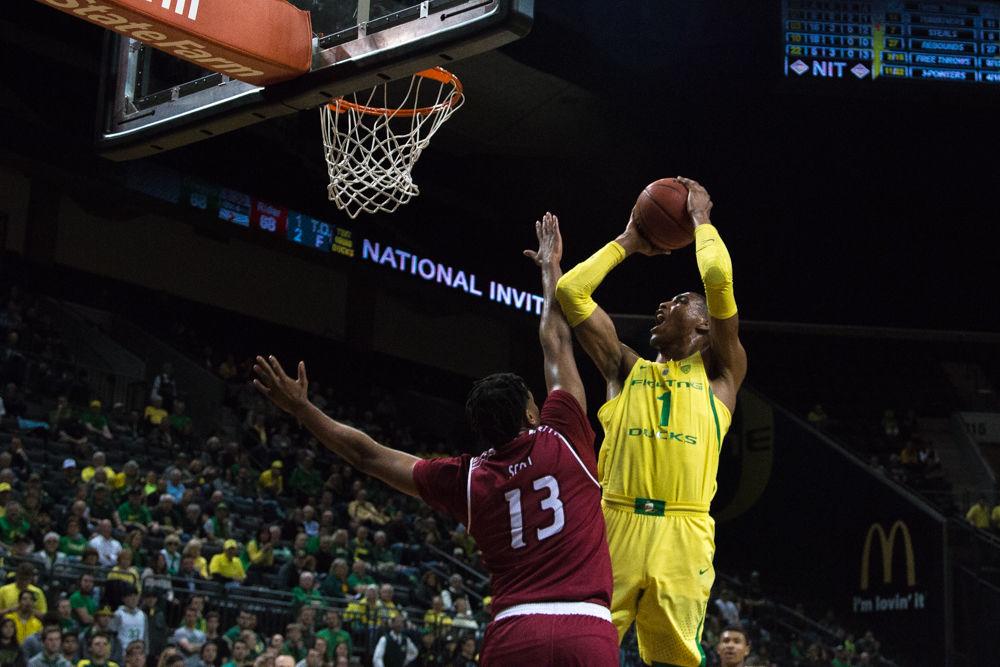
887 39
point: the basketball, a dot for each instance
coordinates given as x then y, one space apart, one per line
661 214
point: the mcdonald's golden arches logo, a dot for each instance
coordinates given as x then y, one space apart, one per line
887 545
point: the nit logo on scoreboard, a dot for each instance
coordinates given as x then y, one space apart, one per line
827 69
831 39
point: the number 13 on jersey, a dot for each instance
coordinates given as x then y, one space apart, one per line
550 503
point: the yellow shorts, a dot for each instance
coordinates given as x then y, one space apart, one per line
663 575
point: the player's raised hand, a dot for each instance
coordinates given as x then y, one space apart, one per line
290 395
699 203
549 241
634 241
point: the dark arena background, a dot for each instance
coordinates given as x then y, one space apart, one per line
851 152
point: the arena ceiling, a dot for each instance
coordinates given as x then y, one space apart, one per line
837 207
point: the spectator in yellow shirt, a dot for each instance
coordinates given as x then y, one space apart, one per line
437 619
11 593
909 456
271 481
99 461
366 612
995 518
363 510
227 566
193 550
979 514
26 621
386 604
227 369
260 553
123 570
128 478
154 412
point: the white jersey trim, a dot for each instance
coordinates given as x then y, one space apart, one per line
468 498
556 609
549 429
474 463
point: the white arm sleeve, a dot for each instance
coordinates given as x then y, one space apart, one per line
411 651
379 653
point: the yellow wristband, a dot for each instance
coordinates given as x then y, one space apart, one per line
716 271
575 287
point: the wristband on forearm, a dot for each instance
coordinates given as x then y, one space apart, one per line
575 287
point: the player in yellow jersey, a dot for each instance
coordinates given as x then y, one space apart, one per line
663 428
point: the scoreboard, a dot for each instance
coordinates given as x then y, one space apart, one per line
890 39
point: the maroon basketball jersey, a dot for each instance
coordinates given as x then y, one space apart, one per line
534 509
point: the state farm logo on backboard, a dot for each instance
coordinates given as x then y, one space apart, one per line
894 596
85 7
178 7
271 42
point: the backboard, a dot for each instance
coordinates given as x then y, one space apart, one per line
152 101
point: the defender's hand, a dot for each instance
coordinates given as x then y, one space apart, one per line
699 203
549 241
288 394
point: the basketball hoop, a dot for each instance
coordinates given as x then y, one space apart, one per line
370 150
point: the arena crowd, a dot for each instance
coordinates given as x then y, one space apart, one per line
132 534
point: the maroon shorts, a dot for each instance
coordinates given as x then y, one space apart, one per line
544 639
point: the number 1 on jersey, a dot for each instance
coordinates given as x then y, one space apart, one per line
551 503
665 410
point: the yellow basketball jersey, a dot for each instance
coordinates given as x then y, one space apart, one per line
662 436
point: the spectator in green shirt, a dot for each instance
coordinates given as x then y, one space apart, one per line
293 644
334 633
381 554
180 423
95 422
341 546
337 582
62 412
64 609
840 658
305 481
306 591
359 576
240 655
13 525
219 526
82 602
134 512
245 628
73 543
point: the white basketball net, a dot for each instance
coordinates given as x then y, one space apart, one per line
370 149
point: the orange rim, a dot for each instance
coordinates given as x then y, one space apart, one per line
436 73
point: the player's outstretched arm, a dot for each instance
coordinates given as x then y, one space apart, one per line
393 467
594 329
553 330
729 359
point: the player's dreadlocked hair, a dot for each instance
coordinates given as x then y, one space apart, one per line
495 407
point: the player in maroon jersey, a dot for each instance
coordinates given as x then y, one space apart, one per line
531 500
